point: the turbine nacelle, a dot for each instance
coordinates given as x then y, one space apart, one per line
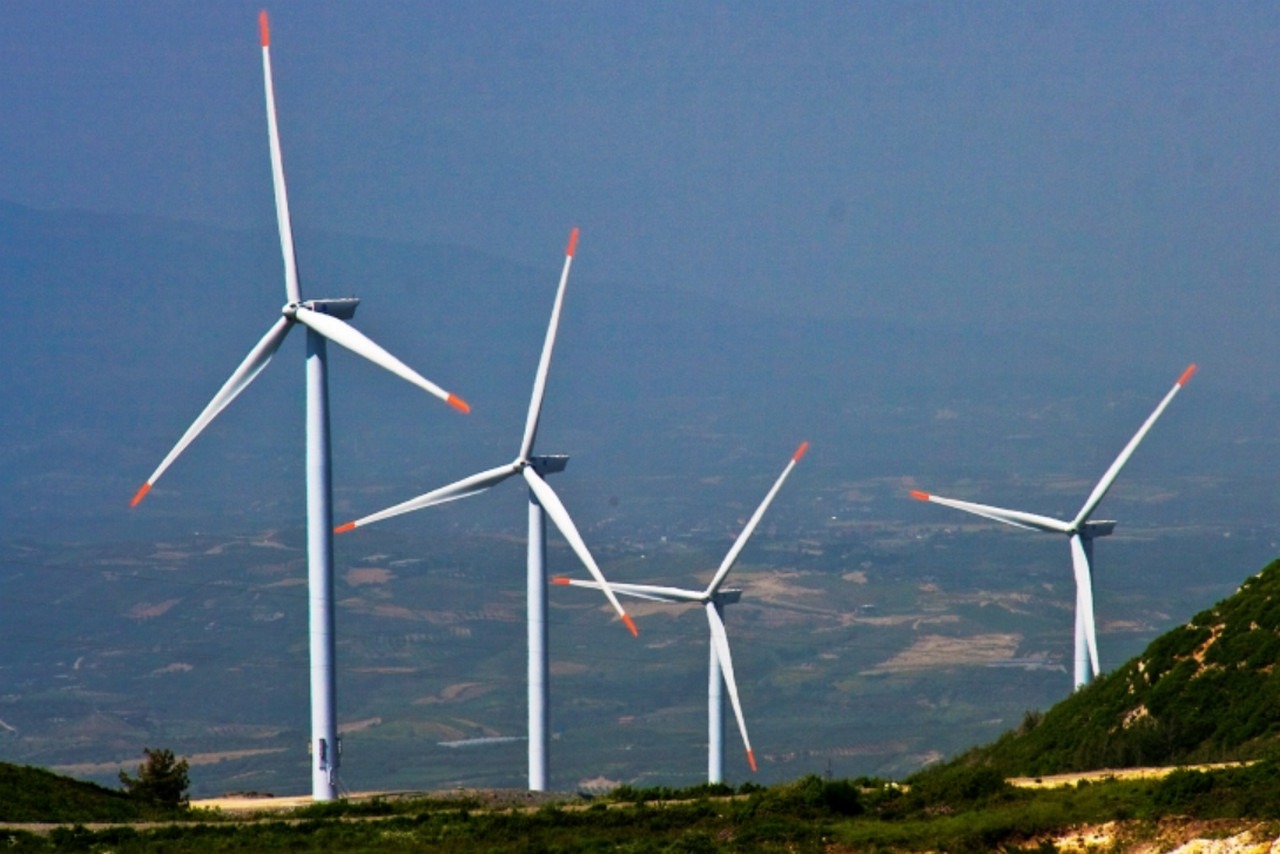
1093 530
343 308
545 464
727 597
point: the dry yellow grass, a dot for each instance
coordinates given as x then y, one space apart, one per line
1055 780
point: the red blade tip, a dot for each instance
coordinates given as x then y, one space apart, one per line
559 579
342 529
635 633
751 760
1186 375
919 496
140 494
459 404
800 451
573 242
264 29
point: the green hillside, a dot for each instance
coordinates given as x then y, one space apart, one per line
35 795
1204 692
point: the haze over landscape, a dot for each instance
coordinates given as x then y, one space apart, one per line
964 248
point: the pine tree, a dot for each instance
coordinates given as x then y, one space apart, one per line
162 779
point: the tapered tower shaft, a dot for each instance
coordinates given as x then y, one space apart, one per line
324 725
715 719
539 692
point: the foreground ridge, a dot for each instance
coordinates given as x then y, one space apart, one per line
1202 692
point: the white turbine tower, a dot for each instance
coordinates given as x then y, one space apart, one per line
713 599
543 502
1081 533
325 320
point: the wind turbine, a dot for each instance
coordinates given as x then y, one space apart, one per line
1081 533
543 502
325 320
713 599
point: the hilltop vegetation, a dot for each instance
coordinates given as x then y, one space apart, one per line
1207 691
951 808
35 795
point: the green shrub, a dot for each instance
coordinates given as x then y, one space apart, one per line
945 788
1179 791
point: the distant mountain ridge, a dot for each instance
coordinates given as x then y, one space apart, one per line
1207 691
116 330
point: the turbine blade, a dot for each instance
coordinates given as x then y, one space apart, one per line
720 641
555 509
652 592
1084 598
1109 477
544 361
1017 518
291 287
753 522
459 489
239 380
341 332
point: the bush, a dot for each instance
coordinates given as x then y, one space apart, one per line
1181 789
944 788
842 798
808 797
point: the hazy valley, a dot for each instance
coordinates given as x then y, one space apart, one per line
862 647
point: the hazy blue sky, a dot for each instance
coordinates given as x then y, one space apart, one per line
1011 160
